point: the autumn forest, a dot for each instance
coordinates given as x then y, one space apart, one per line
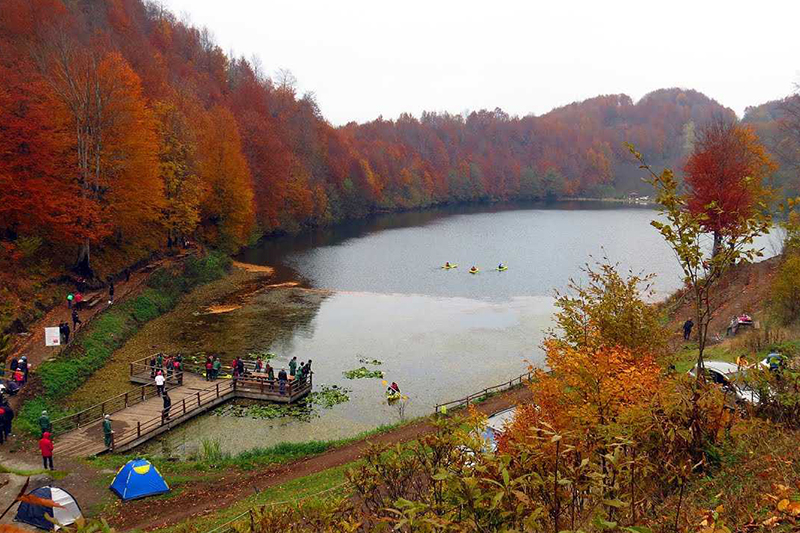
124 131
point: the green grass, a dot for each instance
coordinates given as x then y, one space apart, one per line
55 474
94 345
211 459
304 488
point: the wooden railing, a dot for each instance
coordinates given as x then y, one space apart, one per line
183 407
109 406
263 385
141 367
455 404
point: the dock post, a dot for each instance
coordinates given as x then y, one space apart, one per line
126 400
198 399
184 406
138 429
217 390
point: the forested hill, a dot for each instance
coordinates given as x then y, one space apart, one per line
123 130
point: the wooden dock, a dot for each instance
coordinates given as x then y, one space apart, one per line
137 415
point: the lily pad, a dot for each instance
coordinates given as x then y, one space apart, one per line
363 372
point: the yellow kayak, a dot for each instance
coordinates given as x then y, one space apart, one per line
474 271
449 267
501 269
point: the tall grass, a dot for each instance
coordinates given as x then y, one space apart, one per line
94 345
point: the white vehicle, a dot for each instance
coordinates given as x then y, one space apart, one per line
495 425
730 378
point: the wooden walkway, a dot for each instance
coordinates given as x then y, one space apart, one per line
137 416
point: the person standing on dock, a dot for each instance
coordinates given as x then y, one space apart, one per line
44 423
282 380
8 418
75 319
167 406
107 431
46 447
293 366
216 367
160 383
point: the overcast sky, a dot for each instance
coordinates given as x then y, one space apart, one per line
365 58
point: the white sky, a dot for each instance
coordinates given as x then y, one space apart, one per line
365 58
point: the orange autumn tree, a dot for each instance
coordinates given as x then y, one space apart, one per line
601 358
226 210
725 176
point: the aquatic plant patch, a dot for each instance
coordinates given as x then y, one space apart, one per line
305 410
363 372
373 362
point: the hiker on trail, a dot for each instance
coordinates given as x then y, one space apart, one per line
75 320
270 371
240 367
77 301
259 365
282 380
46 446
19 377
209 368
8 418
687 329
111 293
23 365
152 367
167 405
44 423
293 366
159 361
2 432
70 297
160 383
169 367
66 333
216 367
107 431
13 366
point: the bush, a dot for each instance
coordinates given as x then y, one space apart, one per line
786 290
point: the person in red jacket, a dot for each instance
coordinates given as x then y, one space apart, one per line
46 445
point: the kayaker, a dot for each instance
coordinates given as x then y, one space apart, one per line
394 388
447 264
500 266
473 269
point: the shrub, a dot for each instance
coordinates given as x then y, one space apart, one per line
786 289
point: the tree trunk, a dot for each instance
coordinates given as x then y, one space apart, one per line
84 265
717 244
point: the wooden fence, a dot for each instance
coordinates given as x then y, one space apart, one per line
109 407
462 402
190 406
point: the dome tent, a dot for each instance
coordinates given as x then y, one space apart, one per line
138 479
37 515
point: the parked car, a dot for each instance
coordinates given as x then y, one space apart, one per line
731 379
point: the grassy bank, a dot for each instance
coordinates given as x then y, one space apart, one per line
210 458
94 345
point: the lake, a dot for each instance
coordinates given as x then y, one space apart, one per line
374 289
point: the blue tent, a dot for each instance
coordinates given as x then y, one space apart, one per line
138 479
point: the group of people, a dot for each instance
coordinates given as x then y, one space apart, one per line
213 367
18 371
166 367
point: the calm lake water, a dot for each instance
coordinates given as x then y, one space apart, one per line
441 334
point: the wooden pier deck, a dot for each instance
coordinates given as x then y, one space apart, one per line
137 415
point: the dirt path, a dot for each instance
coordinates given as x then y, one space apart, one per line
32 344
202 498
